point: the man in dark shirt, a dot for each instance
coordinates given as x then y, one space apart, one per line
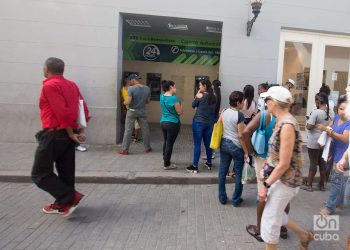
58 112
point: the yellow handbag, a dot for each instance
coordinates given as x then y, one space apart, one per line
216 136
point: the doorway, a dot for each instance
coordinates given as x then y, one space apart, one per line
313 59
168 48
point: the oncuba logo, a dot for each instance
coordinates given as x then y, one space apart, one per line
151 52
327 226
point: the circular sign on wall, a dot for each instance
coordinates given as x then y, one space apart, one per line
151 52
175 49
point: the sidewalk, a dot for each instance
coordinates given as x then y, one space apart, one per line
101 164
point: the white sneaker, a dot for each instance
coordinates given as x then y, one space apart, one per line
213 157
81 148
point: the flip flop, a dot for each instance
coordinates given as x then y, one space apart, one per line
325 212
255 234
305 244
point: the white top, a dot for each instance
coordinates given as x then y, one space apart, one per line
230 120
317 116
261 103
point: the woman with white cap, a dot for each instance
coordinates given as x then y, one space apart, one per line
282 171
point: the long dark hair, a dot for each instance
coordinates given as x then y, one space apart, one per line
323 99
209 90
325 89
248 93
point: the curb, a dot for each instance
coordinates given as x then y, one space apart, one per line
160 178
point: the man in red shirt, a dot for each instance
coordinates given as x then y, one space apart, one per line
58 112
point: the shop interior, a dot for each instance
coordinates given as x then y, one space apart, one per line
297 62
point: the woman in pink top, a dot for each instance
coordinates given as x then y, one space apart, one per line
249 105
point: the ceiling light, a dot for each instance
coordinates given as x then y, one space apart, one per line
213 29
138 23
177 26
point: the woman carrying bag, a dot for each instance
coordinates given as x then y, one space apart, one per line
262 121
282 172
232 148
318 116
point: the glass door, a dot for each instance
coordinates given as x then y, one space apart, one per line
311 60
336 71
296 68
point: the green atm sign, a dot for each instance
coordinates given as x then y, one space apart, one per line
183 50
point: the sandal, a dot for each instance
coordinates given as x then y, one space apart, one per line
305 244
284 232
254 231
307 188
231 174
325 212
321 187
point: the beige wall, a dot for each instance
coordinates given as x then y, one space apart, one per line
182 74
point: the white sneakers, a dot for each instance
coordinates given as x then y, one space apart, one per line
81 148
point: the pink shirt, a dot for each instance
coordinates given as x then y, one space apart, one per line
248 112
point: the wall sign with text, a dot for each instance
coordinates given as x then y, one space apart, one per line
182 50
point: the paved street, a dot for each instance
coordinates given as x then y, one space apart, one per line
124 216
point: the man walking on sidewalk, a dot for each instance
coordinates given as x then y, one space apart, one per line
137 97
58 105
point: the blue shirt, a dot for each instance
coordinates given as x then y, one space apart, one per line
169 113
268 131
339 146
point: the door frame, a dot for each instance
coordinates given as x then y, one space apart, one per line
319 41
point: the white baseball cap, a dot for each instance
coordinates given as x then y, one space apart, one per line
291 81
278 93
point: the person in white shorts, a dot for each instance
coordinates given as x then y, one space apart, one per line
267 123
283 171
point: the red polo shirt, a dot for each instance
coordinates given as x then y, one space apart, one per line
59 103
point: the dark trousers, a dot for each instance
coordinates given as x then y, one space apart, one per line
55 148
170 132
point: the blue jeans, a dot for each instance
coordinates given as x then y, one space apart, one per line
228 152
336 194
347 194
201 130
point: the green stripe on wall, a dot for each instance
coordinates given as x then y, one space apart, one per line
180 58
191 59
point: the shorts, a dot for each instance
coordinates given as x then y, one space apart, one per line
274 216
315 156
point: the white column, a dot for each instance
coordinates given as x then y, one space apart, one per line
316 72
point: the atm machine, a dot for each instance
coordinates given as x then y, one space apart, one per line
154 81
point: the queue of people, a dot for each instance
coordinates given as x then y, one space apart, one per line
278 166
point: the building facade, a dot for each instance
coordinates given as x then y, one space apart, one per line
304 40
